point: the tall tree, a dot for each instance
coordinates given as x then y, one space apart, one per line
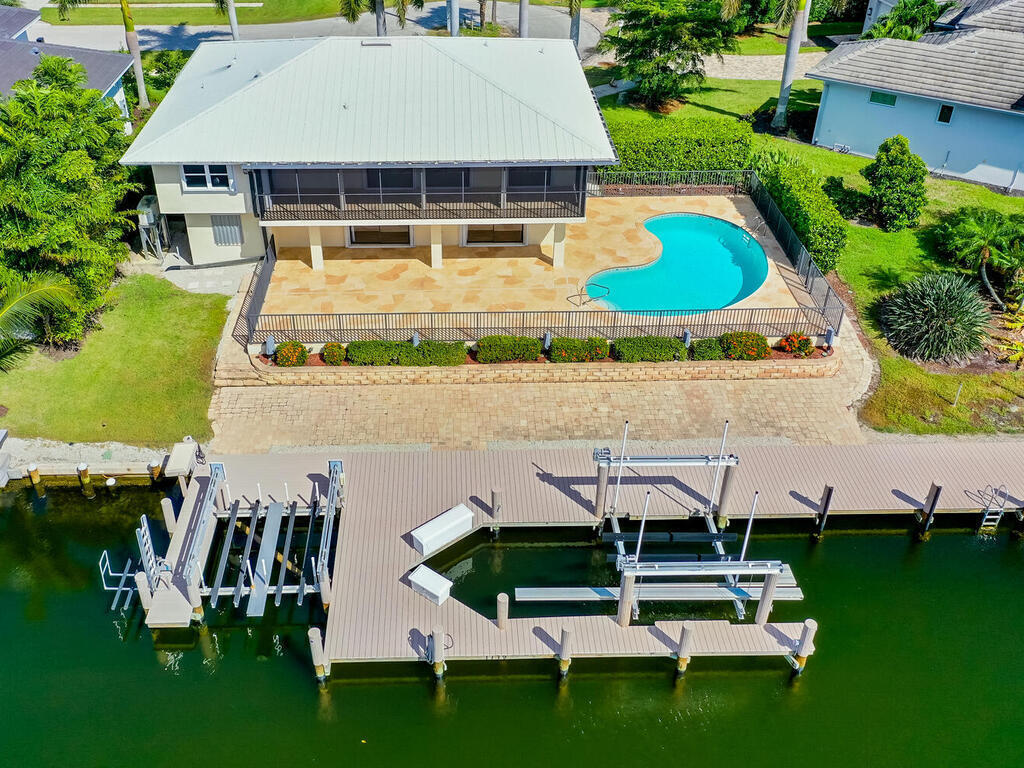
61 188
228 7
793 14
351 10
979 237
662 44
24 303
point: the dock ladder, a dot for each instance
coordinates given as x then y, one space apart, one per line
995 508
121 584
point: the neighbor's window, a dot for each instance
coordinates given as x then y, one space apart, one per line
227 230
380 235
945 113
885 99
499 234
206 176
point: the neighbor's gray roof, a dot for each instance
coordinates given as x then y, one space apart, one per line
14 20
981 67
18 58
1007 15
400 100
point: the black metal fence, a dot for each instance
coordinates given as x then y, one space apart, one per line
824 312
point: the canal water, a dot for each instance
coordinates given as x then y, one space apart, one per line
919 662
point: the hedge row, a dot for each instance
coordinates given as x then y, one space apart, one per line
739 345
686 144
814 218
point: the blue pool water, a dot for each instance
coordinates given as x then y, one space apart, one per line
705 263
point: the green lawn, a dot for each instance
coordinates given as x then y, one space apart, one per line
909 398
273 11
144 377
770 41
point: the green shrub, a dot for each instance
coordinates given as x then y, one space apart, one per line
333 353
652 349
796 344
502 349
565 350
686 144
798 193
706 349
897 191
850 203
939 316
404 353
745 345
290 354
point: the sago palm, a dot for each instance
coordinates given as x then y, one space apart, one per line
351 10
23 303
131 37
794 14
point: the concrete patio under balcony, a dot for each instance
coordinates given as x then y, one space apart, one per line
359 280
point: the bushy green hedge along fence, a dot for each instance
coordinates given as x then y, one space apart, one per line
740 345
687 144
813 216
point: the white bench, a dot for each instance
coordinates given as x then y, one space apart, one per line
431 584
435 534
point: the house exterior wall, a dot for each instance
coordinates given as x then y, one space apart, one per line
451 234
876 9
206 251
981 145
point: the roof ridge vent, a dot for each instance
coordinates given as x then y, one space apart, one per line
375 43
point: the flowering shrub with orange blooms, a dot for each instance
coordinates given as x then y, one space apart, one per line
290 354
745 345
796 344
566 350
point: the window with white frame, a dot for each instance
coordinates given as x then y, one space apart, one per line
206 176
494 234
227 230
883 98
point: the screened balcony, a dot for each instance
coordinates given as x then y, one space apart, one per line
542 192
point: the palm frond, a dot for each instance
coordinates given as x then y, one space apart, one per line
23 301
351 10
221 6
64 7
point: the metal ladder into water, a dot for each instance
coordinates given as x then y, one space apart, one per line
582 298
995 508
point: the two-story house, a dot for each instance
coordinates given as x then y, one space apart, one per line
381 142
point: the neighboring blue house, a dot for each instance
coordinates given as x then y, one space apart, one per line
14 22
19 57
958 97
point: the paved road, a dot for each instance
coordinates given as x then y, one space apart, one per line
545 22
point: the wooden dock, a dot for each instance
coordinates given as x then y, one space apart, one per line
376 616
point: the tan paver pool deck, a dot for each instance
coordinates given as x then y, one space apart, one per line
511 278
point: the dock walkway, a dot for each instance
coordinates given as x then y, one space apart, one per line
376 616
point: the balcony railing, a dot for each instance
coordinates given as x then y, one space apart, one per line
392 206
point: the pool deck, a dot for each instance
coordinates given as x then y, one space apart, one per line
376 616
511 278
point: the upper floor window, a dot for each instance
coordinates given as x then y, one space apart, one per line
945 113
885 99
391 178
206 176
527 177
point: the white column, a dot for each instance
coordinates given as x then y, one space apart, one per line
558 247
435 248
316 249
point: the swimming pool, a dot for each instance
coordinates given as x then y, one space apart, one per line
706 263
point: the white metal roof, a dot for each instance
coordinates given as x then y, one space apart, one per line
387 101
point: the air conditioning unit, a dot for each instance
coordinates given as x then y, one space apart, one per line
149 211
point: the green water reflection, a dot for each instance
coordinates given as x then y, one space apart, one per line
918 663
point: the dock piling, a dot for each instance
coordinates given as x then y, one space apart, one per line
564 653
325 588
170 521
37 481
823 507
724 493
111 485
85 479
602 489
316 649
685 648
437 652
626 588
496 504
195 599
143 588
931 502
764 604
502 610
153 468
803 649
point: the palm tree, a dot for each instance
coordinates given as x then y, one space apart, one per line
24 301
574 21
351 10
131 37
795 14
981 236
